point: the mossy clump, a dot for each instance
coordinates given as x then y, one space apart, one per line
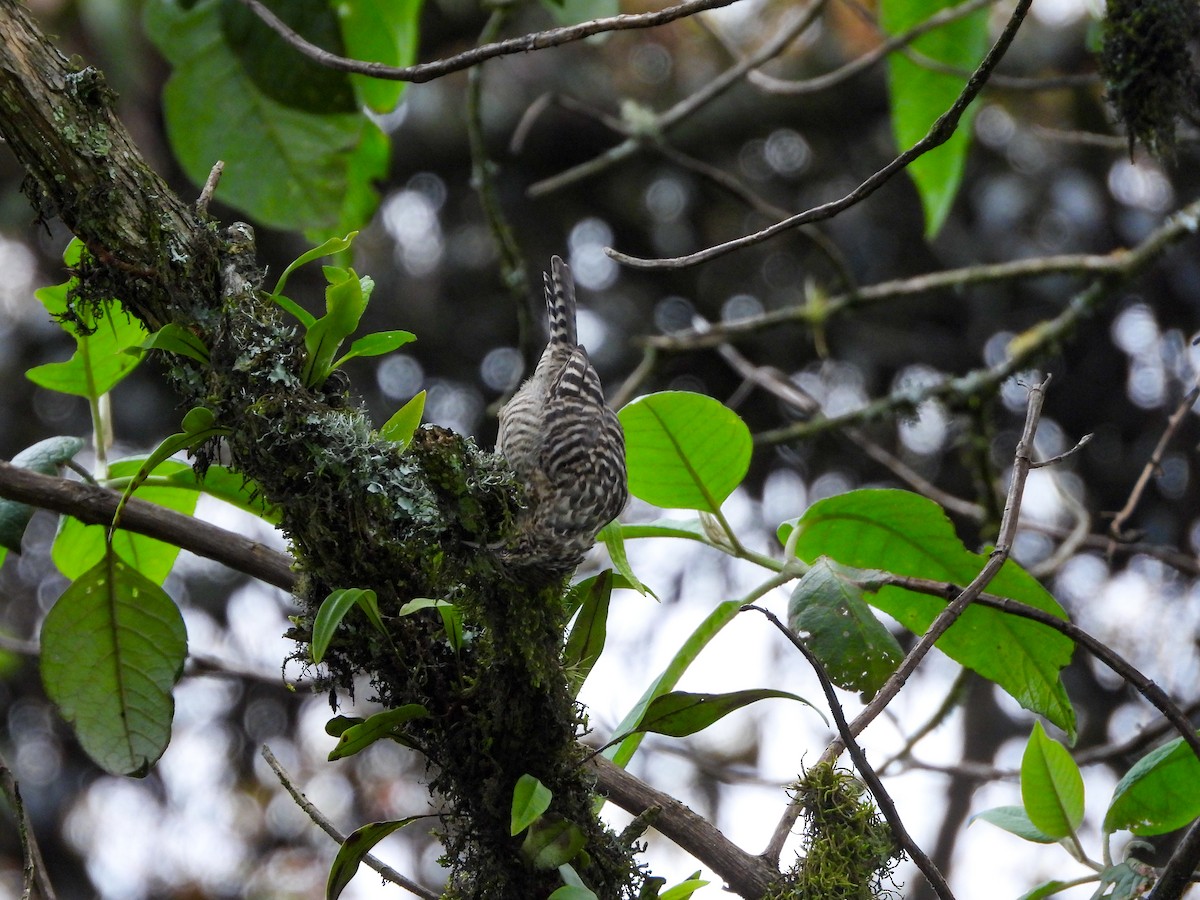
1149 66
849 851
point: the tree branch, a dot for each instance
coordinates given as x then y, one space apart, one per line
538 40
937 135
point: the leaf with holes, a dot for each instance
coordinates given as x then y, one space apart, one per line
113 647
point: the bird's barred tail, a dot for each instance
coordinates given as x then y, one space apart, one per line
560 303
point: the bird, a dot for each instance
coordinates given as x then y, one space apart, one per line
565 443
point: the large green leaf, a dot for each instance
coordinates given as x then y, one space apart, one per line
78 547
100 360
286 166
113 646
1051 785
531 798
684 450
906 534
383 31
1159 794
858 652
919 95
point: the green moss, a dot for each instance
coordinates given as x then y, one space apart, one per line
849 852
1149 69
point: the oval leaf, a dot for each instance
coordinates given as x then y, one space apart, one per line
684 450
400 427
113 646
356 736
377 344
585 642
1014 820
356 846
531 798
1159 794
858 652
680 713
1051 786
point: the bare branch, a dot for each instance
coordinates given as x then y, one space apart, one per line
322 822
94 505
937 135
882 798
1153 463
37 880
948 616
538 40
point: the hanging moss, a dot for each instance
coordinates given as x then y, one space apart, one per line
1149 68
849 851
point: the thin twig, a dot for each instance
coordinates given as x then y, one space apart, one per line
882 799
539 40
1177 226
1115 530
660 124
36 878
775 383
938 134
817 83
948 616
322 822
513 270
210 187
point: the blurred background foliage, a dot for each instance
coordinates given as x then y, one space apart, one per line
1047 174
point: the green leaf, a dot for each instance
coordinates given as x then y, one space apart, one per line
376 344
614 540
904 533
345 301
172 338
113 646
330 614
548 845
44 457
1159 794
403 424
285 165
358 736
573 12
1014 820
356 846
1046 889
684 450
680 713
384 31
858 652
531 798
225 484
707 630
100 361
684 889
451 617
919 95
573 892
585 642
78 547
330 247
1051 786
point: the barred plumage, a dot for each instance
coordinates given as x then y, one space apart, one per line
564 442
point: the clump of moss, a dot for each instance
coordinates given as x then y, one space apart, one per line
1149 67
849 851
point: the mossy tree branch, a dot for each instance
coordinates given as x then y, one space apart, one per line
357 512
